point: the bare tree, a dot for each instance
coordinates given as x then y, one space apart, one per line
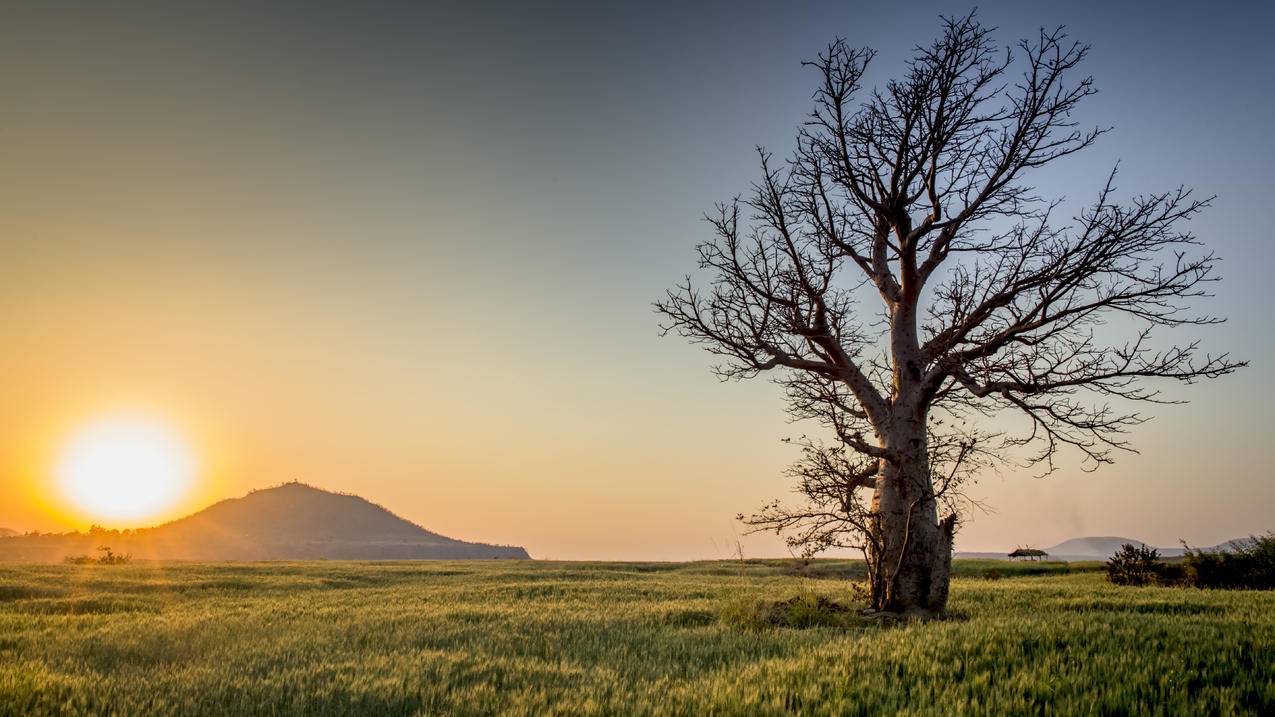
916 198
835 513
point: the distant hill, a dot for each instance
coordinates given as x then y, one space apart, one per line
293 521
1233 544
6 532
1097 548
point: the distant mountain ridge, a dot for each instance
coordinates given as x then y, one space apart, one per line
1099 548
7 532
293 521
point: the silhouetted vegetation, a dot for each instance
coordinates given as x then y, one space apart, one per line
900 276
1135 565
1242 565
107 557
1029 553
1248 564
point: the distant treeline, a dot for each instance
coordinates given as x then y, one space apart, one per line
1246 565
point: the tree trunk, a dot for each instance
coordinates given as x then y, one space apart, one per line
914 547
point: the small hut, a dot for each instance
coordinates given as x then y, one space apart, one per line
1028 554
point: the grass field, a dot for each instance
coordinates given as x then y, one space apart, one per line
532 638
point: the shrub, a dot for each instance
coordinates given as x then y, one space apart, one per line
804 610
1135 565
1172 574
107 558
1250 564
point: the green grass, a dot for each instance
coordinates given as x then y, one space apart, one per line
533 638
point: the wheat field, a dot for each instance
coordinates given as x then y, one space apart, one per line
538 638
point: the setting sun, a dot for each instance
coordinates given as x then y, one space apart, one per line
124 468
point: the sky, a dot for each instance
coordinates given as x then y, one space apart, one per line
409 251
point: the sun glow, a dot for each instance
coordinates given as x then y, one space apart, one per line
125 467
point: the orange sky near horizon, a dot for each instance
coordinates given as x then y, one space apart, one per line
409 253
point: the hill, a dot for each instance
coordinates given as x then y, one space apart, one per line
1096 548
7 533
293 521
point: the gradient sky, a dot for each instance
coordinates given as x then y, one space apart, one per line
410 253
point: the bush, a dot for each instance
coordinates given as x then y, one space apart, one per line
1249 565
107 558
804 610
1172 574
1135 565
